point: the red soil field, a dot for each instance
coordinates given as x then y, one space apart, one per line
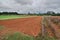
31 26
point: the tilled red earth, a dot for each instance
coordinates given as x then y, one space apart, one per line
30 26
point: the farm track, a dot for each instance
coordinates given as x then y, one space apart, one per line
54 28
46 30
48 27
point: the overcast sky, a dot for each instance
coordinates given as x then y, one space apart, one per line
24 6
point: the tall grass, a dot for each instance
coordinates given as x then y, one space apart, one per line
17 36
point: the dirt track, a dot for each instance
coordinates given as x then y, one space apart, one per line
52 25
56 25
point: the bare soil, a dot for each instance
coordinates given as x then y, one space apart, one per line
31 26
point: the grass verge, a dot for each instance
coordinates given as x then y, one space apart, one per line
4 17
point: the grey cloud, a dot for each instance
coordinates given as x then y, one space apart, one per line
52 5
24 2
30 5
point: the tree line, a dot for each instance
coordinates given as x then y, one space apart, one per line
8 13
38 14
